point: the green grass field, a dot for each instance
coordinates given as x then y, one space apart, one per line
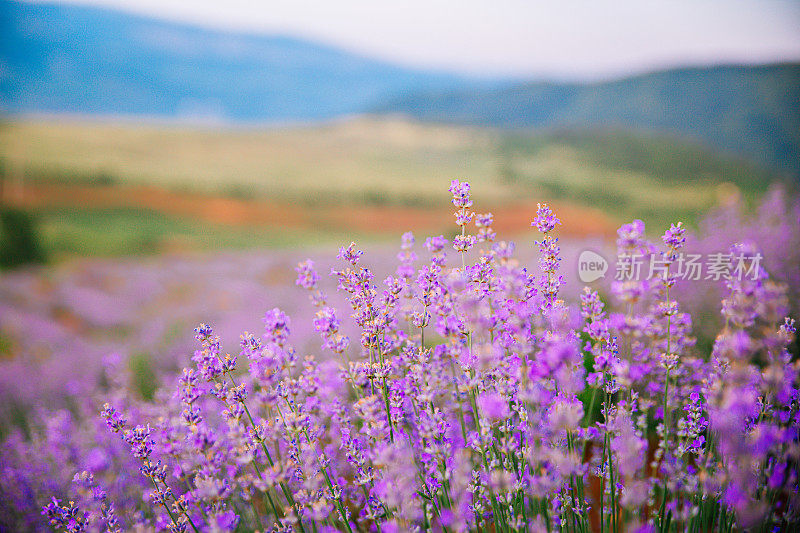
118 231
363 161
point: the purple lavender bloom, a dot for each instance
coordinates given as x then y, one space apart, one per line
203 331
113 418
484 220
565 414
463 217
307 277
630 236
461 194
140 441
435 244
224 521
68 517
326 322
350 254
493 406
545 219
276 324
407 241
675 237
484 224
463 243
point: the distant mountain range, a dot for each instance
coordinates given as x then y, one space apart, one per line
57 58
752 111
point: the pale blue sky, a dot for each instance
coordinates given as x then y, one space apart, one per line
567 39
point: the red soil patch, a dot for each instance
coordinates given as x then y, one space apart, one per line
215 209
576 221
385 219
510 219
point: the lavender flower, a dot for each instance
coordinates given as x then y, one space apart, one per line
307 277
461 195
479 398
484 224
276 324
545 220
675 237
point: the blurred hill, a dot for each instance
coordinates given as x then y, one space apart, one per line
88 61
85 60
752 111
105 188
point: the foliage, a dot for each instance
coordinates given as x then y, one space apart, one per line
20 242
472 397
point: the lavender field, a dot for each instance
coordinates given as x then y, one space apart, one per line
459 384
399 267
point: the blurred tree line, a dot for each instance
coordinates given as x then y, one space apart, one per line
20 242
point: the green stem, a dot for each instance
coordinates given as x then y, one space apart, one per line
181 507
339 502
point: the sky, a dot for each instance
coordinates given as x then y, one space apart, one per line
558 39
